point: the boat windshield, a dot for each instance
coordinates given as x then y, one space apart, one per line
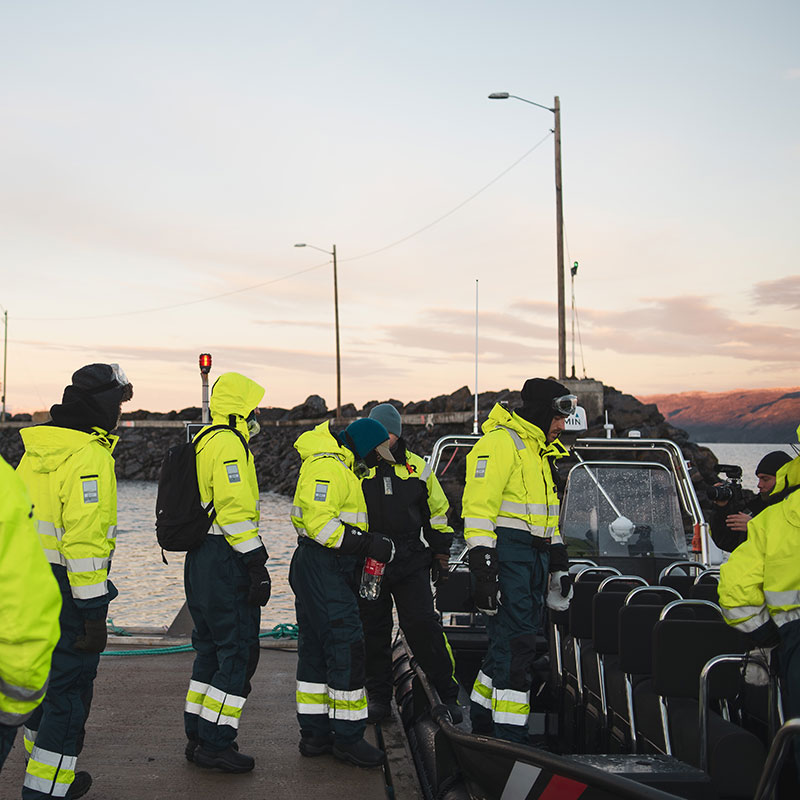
622 509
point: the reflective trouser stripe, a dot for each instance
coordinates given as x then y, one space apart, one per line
195 696
482 690
347 704
214 705
50 773
28 739
318 698
311 698
510 707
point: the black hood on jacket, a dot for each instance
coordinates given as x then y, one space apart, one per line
93 400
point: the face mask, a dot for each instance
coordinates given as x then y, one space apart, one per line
252 425
372 459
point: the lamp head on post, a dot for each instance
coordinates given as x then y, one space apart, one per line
499 96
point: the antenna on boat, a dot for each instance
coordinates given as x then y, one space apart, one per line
475 413
573 272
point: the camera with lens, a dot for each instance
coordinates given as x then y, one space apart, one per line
729 491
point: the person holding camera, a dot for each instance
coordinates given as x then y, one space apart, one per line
729 522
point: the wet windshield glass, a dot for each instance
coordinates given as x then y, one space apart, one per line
622 510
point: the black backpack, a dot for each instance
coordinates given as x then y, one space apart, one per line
182 521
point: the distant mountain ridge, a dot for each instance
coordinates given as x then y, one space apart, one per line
741 415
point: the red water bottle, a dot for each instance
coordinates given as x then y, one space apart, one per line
371 579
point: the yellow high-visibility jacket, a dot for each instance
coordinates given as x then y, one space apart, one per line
328 495
70 477
30 603
226 471
761 579
509 482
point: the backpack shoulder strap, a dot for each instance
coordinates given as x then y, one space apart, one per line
222 428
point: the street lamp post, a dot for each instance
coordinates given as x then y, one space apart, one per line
336 318
556 110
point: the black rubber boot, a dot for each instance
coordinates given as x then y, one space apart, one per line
81 784
378 711
316 745
230 760
360 753
193 744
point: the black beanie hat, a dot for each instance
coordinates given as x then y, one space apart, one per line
537 401
772 462
93 399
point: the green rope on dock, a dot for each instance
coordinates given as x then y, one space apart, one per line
284 630
117 631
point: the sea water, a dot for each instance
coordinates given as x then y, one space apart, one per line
151 592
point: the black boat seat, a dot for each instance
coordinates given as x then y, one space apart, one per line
606 605
681 647
680 575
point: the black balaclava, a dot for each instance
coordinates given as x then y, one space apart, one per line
537 401
92 400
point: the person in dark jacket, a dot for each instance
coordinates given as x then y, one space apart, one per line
729 530
406 503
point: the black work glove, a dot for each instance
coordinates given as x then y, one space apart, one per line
483 567
381 548
260 584
94 636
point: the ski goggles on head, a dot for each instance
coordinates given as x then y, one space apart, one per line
122 379
565 405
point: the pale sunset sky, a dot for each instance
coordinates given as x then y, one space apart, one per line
158 161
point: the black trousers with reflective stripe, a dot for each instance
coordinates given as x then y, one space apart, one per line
420 624
61 717
225 635
330 650
523 576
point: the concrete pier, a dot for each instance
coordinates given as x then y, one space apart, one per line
135 740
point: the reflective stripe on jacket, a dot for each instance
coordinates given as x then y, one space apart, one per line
70 477
761 579
226 470
328 494
509 482
30 607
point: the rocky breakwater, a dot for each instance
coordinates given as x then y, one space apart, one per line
146 436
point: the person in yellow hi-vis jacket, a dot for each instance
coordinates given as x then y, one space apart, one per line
226 578
759 585
330 516
510 508
29 611
68 470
